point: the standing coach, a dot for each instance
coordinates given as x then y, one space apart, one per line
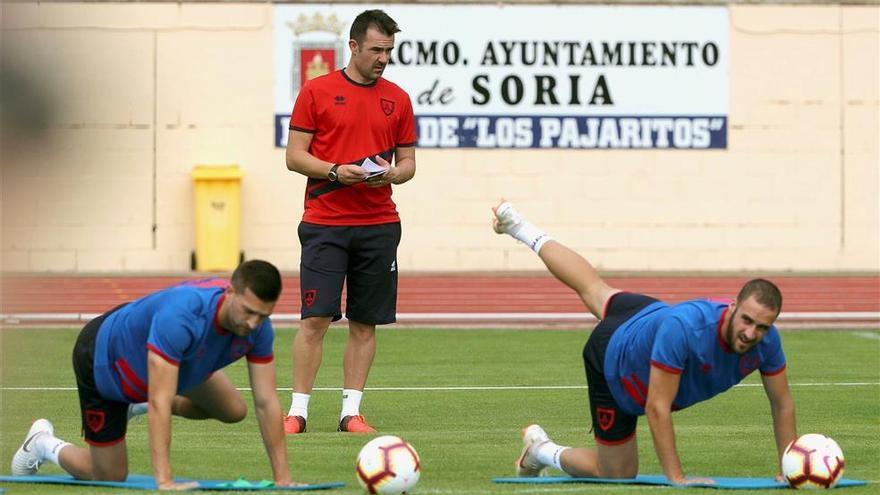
350 229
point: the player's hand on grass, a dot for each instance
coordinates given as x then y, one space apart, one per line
693 481
177 487
289 483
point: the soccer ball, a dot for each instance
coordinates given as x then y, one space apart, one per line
388 465
812 461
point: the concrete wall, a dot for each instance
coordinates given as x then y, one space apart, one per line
137 89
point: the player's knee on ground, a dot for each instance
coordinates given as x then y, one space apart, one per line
110 473
234 413
618 472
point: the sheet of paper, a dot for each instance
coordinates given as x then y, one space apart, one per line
373 169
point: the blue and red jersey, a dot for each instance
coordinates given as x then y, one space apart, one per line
685 339
181 325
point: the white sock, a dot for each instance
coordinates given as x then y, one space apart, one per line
530 235
299 405
351 402
549 453
48 447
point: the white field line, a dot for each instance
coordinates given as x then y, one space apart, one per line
868 335
468 388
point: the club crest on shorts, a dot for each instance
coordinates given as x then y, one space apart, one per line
95 420
387 106
309 297
606 417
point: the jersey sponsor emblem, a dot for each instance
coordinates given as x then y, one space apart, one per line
95 420
309 297
606 417
748 364
387 106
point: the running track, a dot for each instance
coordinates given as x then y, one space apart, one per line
473 299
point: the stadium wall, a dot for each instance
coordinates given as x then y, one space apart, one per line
120 101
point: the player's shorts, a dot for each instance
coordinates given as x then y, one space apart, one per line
611 426
363 257
104 422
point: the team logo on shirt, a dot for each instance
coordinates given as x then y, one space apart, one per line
309 297
95 420
387 106
606 417
748 364
239 348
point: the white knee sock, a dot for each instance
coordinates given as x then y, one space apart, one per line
351 402
48 447
299 405
550 453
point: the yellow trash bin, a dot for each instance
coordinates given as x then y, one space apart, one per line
218 217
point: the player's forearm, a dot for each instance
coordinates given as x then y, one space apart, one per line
159 418
305 163
270 420
663 434
784 426
406 170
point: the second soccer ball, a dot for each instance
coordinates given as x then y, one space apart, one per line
812 461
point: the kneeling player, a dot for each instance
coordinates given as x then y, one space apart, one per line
647 357
162 354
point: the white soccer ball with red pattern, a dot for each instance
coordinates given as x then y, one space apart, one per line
812 461
388 465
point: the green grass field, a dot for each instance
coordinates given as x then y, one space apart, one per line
460 397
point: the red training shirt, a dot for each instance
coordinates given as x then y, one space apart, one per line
349 122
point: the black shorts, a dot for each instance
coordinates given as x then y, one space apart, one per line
104 422
611 426
363 257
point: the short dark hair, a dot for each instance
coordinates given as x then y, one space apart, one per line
261 277
378 18
764 291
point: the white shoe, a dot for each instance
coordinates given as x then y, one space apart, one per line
26 461
507 219
528 464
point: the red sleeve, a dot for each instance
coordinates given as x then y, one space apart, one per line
406 127
303 117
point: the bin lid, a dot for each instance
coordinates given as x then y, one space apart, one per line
217 172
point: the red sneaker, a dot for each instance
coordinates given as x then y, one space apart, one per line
294 425
355 424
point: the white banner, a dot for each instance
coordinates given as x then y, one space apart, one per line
532 76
